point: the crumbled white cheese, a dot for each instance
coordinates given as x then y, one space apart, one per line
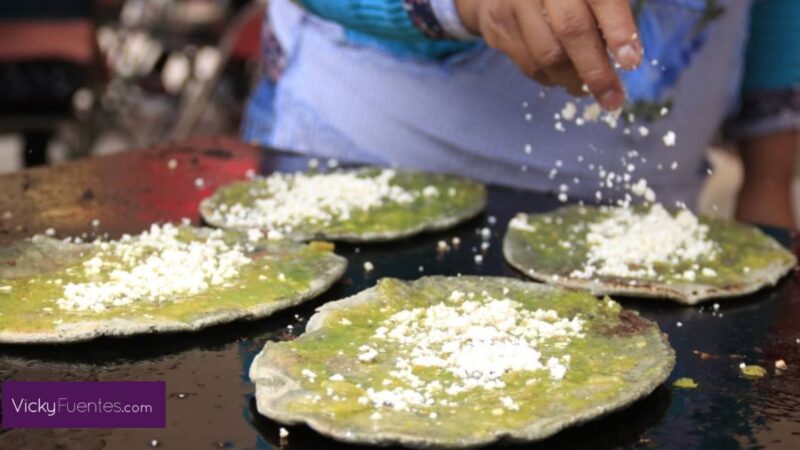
669 139
509 403
569 111
336 377
284 201
479 259
708 272
475 338
367 354
254 235
430 191
368 266
50 232
631 244
172 164
309 374
643 131
153 267
274 235
283 433
591 113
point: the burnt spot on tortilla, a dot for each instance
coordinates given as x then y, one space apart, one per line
630 323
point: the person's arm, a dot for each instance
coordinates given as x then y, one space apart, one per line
768 125
556 42
769 169
562 42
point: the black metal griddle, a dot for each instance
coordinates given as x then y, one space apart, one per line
210 400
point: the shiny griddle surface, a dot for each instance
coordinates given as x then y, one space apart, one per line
210 400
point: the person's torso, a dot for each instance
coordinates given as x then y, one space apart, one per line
477 115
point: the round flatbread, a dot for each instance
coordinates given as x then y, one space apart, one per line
733 259
165 280
358 205
458 362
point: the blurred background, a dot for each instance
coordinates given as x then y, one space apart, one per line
93 77
90 77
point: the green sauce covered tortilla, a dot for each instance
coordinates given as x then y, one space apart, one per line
732 259
357 205
184 279
457 362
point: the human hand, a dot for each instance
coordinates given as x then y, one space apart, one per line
561 42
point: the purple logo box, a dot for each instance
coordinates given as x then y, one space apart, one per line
84 404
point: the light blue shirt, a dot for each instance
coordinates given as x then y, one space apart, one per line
476 115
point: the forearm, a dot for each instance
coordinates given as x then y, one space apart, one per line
769 169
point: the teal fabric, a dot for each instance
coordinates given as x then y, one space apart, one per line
427 49
385 24
382 18
773 52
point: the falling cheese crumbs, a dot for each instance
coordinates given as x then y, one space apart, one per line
286 201
669 139
631 244
476 339
153 267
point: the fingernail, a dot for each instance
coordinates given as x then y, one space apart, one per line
628 56
611 99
